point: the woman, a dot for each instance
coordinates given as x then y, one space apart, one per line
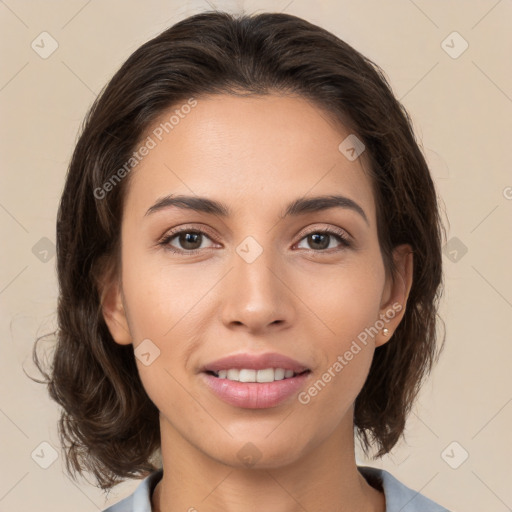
249 261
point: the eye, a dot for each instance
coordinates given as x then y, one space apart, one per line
320 240
190 240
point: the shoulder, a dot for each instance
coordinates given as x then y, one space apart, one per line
399 497
140 499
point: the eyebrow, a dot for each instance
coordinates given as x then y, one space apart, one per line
298 207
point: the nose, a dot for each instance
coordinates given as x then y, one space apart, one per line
257 296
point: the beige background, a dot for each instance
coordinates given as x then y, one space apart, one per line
462 110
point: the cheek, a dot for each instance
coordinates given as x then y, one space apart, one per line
343 299
166 305
163 298
342 330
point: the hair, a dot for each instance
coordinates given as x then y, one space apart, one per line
108 425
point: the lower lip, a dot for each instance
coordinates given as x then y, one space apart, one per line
255 395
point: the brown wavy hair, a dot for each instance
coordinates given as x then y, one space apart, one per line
108 425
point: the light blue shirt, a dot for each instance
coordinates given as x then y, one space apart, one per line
399 498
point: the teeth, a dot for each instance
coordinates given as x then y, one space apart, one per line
233 374
246 375
279 374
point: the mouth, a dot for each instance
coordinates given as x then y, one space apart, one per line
248 393
255 381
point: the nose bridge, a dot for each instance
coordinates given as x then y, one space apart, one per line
255 270
256 295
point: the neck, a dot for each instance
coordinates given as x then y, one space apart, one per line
325 477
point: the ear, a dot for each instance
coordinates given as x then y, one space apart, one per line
113 311
396 293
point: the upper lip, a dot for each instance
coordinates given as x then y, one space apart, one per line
255 362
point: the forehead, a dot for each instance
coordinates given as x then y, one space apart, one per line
247 151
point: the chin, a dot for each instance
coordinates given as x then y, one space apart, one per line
257 452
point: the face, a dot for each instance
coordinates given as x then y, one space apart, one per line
251 278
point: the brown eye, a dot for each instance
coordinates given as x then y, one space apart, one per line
322 240
319 240
187 240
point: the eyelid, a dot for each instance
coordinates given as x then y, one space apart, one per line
331 229
189 228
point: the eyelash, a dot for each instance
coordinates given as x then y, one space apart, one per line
339 234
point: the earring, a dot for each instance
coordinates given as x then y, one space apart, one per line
385 331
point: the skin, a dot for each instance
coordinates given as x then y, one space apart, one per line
256 154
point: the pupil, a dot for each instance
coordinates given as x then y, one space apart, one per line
190 238
316 237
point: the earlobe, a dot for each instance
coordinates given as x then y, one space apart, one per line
397 292
114 313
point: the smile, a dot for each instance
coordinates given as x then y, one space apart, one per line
252 394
